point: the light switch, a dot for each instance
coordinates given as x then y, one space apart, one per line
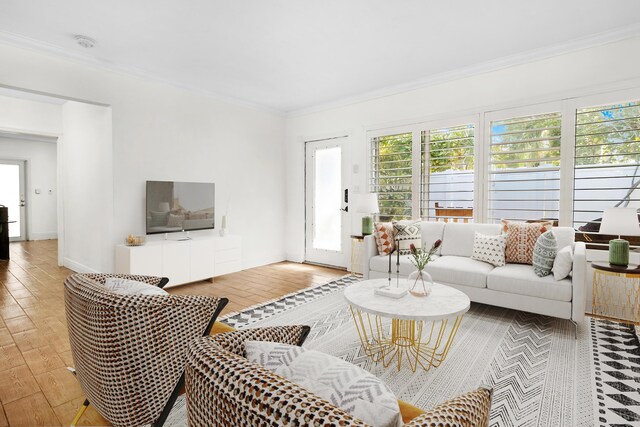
38 191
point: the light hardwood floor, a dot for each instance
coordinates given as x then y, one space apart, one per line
35 387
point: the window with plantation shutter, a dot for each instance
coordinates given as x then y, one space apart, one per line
391 175
448 174
607 163
524 168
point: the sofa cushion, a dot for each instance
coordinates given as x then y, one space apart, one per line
563 264
521 239
565 236
432 231
383 233
459 271
380 263
488 248
457 238
520 279
407 233
345 385
544 252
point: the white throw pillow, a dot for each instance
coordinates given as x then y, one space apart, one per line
563 264
122 286
345 385
488 248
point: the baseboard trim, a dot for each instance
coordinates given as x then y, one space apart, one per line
77 267
52 235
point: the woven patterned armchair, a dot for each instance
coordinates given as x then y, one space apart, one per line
224 389
129 350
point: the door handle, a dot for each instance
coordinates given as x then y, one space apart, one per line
346 209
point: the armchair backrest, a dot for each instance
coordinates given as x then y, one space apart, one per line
224 389
129 350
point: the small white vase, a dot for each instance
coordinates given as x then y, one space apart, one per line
420 282
223 228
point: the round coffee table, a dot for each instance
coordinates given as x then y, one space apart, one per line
422 329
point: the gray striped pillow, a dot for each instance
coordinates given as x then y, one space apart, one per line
544 253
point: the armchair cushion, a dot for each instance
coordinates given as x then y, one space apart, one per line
345 385
123 286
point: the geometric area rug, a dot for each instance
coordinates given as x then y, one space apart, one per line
541 375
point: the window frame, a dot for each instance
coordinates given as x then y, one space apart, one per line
510 113
566 105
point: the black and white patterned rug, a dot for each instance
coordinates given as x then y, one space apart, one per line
541 374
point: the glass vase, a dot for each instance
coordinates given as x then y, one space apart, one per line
422 283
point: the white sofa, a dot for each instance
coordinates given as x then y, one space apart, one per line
513 286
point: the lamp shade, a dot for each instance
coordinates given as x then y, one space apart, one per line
164 207
620 222
368 203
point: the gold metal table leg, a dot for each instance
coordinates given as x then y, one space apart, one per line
407 339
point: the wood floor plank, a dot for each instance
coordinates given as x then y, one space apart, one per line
59 386
17 383
67 411
42 359
3 418
19 324
31 339
31 286
10 357
31 411
5 337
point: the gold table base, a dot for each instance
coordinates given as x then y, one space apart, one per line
420 343
616 295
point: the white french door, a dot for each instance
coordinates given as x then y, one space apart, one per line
327 201
12 195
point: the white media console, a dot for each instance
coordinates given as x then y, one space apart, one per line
182 261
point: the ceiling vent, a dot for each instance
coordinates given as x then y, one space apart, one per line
84 41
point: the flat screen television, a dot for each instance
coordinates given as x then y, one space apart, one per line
179 206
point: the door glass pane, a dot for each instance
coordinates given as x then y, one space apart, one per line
327 199
10 195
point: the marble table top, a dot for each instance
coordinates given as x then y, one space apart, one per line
442 302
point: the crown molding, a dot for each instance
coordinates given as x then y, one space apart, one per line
482 68
20 41
587 42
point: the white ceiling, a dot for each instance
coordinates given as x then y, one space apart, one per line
289 55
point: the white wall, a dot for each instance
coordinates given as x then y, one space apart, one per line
86 174
40 119
163 133
608 66
30 116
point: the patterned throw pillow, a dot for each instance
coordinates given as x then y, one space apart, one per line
489 248
544 253
406 233
344 384
383 232
122 286
521 239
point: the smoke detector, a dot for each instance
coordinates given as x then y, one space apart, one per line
84 41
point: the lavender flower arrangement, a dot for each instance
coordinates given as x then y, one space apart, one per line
420 257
